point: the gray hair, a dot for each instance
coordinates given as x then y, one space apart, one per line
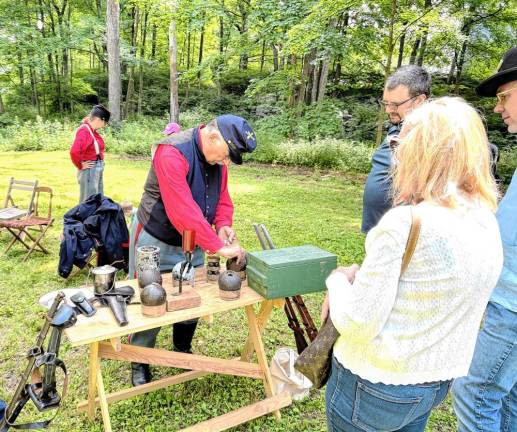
415 78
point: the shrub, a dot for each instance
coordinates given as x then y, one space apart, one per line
346 156
507 163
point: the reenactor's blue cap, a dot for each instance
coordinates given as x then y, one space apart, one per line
238 134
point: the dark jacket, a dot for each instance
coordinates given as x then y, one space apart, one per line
203 179
377 189
96 223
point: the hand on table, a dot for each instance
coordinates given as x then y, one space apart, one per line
232 251
227 235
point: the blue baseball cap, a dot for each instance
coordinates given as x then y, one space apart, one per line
238 134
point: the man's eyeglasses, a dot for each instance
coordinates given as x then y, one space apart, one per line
502 96
394 105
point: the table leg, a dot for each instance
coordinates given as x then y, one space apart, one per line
92 379
96 385
103 402
261 354
265 310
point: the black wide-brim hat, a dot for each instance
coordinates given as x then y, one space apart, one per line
100 111
507 72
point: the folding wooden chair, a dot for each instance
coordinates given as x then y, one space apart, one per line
13 210
19 228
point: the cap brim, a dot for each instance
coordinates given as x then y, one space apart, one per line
489 86
235 157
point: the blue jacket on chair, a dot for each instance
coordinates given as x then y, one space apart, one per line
96 223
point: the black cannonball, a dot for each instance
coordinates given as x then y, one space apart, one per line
153 295
229 281
149 275
232 264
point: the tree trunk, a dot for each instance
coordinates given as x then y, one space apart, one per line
32 71
221 32
201 41
421 54
2 107
387 69
401 48
414 51
452 70
113 37
315 81
324 72
153 43
262 55
141 66
129 105
461 60
188 47
174 102
20 68
34 89
423 43
275 58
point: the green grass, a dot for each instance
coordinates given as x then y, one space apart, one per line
298 207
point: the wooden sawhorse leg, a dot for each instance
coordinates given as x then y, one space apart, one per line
96 385
266 308
256 338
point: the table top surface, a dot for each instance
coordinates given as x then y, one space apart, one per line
102 325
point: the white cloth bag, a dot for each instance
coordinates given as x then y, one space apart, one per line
285 377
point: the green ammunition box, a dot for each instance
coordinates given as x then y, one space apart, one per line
286 272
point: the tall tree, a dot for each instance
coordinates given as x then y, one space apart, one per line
113 46
173 60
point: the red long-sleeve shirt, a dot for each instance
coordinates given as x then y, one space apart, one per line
83 148
171 169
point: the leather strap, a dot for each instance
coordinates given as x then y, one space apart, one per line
414 232
95 143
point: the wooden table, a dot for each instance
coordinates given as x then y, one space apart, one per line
102 333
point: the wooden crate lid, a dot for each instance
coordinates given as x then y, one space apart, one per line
289 256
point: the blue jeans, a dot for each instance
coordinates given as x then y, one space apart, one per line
183 332
357 405
486 399
90 181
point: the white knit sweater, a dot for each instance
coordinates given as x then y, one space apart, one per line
423 327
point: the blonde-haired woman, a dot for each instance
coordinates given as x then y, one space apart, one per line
403 338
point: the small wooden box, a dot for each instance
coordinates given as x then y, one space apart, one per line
278 273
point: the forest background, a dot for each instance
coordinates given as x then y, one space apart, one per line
306 73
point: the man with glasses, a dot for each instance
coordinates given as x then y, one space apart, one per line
408 87
187 189
486 399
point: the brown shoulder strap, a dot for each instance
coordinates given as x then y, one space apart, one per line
414 232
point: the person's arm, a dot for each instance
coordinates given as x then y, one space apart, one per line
360 310
80 143
171 169
223 220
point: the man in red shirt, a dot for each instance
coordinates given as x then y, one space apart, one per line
187 189
87 152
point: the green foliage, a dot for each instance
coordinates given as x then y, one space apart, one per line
36 135
345 156
507 163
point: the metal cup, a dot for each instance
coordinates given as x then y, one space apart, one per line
103 279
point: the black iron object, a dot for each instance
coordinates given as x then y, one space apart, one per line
83 305
229 285
292 321
43 394
149 275
117 299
